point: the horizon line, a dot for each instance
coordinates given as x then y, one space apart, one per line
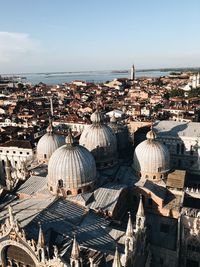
165 69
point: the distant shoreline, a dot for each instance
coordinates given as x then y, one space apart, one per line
183 69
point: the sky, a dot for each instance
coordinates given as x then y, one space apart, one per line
79 35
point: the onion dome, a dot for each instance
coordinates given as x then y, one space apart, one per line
47 144
71 169
151 158
101 141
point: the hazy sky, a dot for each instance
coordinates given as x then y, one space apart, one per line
73 35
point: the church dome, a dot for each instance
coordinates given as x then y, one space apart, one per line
71 169
47 144
151 158
101 141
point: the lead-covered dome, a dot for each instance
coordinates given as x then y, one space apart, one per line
101 141
47 144
151 158
71 169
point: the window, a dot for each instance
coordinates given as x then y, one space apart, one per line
27 153
69 192
154 177
7 151
146 176
60 183
20 152
164 228
182 149
45 156
14 152
79 191
51 188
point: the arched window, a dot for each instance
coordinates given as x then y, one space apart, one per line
60 183
51 188
79 191
154 177
69 192
146 176
182 148
40 254
45 156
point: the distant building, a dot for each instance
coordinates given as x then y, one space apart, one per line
133 73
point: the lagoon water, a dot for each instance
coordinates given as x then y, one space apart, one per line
89 76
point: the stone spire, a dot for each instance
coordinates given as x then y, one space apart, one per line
117 262
75 250
129 229
140 211
75 260
130 239
140 217
41 242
